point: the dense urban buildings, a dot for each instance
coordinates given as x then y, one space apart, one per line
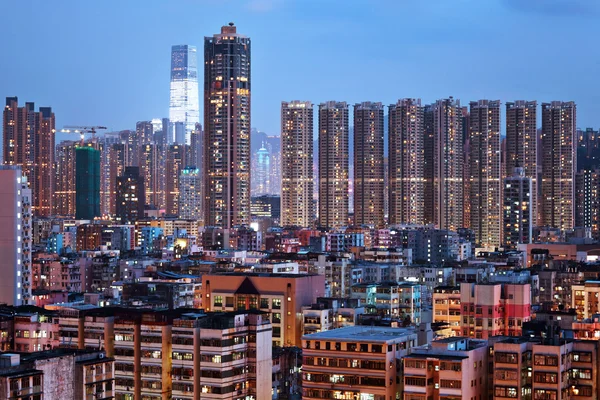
406 162
184 106
333 165
227 128
369 186
297 176
559 160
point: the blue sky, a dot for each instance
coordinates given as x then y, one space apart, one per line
107 62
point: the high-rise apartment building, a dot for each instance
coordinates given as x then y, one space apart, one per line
175 162
113 161
29 143
152 168
521 145
15 236
184 105
297 177
87 183
406 162
517 216
485 177
64 194
447 164
227 128
131 195
369 186
559 161
429 213
587 200
333 165
190 198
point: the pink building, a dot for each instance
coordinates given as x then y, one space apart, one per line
494 309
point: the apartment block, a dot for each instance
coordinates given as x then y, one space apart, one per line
448 369
447 310
355 362
494 309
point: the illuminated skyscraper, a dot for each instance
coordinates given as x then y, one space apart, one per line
227 128
448 164
64 195
175 162
406 162
130 195
261 173
559 161
333 165
184 106
521 145
297 176
485 177
517 217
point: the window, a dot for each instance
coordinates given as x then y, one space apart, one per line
581 373
502 391
276 304
539 359
506 374
544 394
506 358
241 303
229 302
545 377
218 302
452 384
581 357
264 302
414 381
410 363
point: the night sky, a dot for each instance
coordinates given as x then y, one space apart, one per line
107 62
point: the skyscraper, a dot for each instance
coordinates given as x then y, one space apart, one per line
64 195
227 128
87 183
29 143
184 106
297 177
190 199
261 174
428 164
333 165
175 162
485 177
447 164
587 200
517 216
15 237
521 145
130 195
369 186
406 162
559 161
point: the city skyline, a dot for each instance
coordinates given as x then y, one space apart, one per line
143 76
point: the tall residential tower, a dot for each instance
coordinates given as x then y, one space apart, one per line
297 177
333 165
559 161
485 180
369 186
184 106
227 128
406 162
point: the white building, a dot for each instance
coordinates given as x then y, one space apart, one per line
15 237
190 195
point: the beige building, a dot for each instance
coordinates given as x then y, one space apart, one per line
559 162
368 164
452 368
406 162
297 176
333 164
446 310
485 176
355 362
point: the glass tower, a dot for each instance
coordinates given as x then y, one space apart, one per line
87 183
184 105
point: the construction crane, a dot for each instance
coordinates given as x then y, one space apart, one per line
82 130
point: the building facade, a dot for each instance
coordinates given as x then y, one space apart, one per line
184 106
131 196
517 213
190 195
87 183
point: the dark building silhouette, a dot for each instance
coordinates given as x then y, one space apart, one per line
131 195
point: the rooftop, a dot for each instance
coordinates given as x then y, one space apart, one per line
362 334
